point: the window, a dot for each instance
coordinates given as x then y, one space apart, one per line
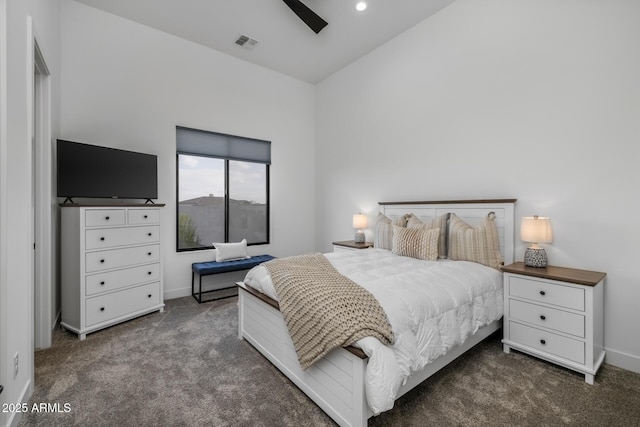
223 189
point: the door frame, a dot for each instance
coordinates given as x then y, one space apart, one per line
4 364
42 174
3 207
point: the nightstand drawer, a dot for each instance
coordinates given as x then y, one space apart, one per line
350 245
549 293
548 342
547 317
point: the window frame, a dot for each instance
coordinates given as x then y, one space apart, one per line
226 190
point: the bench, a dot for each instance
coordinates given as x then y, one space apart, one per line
213 267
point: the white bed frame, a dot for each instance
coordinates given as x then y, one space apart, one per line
336 383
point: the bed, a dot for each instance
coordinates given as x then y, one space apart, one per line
336 383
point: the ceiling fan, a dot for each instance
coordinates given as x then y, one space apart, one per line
307 15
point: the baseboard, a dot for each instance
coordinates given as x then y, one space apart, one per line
622 360
56 321
177 293
14 417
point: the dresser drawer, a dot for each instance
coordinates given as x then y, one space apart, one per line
112 280
143 216
548 342
111 237
549 293
547 317
102 217
116 258
106 307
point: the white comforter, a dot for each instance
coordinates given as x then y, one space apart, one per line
432 306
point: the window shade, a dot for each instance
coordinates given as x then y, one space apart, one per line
194 141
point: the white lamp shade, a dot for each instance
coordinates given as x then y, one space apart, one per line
359 221
536 229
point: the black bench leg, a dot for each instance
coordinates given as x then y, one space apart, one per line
193 289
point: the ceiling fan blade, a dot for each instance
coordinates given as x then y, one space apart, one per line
307 15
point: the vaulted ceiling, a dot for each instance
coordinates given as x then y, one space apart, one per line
284 42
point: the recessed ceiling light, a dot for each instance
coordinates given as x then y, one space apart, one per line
361 5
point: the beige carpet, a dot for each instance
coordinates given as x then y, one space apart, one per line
187 367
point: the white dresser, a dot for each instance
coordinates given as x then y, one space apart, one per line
111 268
555 314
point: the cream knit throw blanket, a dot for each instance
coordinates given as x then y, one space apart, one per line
324 309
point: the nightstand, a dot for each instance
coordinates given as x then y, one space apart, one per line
350 245
556 314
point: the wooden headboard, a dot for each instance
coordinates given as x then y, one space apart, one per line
472 211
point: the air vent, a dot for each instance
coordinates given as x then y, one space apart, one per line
245 41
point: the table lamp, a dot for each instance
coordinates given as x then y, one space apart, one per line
535 229
359 222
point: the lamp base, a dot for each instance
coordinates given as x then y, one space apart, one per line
535 257
359 238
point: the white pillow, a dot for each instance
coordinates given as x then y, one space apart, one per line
231 251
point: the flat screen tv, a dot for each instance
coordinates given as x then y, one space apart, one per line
92 171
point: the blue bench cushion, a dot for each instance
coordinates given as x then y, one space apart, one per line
206 268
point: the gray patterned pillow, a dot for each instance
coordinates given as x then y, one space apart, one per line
479 244
416 242
439 222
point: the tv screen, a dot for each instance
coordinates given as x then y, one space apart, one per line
92 171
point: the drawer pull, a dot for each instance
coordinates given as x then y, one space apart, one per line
149 253
149 273
102 261
543 342
106 218
102 283
149 234
102 239
101 308
145 217
149 295
543 293
543 317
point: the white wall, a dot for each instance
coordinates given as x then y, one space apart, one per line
126 85
16 227
534 99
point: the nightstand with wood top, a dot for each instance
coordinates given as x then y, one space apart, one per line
350 245
556 314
